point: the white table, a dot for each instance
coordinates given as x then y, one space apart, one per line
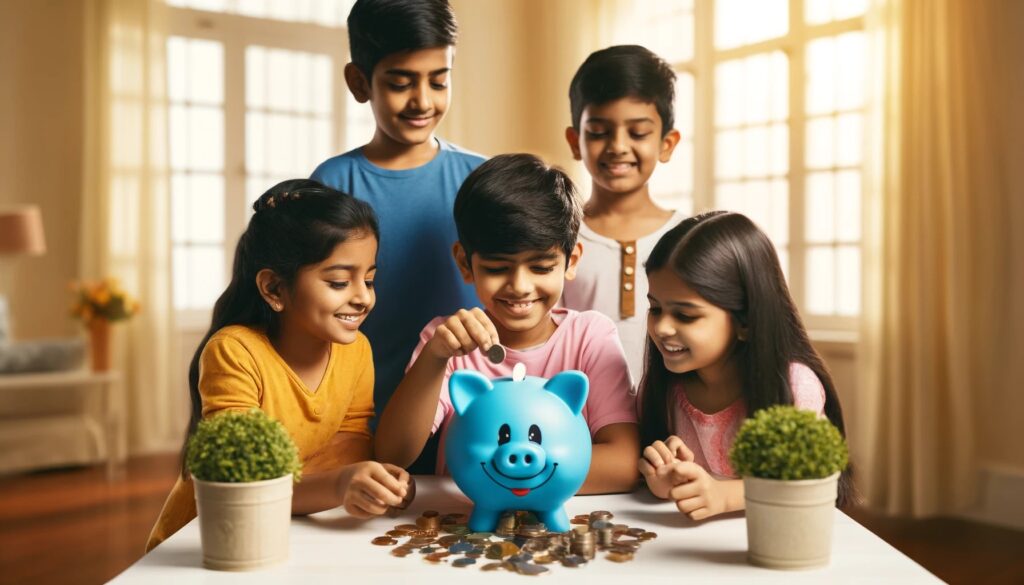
332 547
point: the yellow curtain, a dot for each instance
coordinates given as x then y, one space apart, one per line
935 242
125 218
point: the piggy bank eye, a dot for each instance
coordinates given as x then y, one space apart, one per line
504 434
535 434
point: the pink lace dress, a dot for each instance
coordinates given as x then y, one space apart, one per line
710 436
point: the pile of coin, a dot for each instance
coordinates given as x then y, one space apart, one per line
520 543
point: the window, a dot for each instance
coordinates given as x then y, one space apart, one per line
256 96
770 102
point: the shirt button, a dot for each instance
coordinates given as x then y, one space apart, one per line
628 270
629 249
628 286
317 410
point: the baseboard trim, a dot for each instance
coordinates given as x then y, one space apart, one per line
1000 497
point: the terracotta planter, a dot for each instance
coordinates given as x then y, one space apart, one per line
789 523
244 526
99 344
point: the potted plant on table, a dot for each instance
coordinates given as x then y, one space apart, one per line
243 464
790 461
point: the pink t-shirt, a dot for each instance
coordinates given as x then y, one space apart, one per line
586 341
710 436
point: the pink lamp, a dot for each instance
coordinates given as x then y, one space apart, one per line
21 232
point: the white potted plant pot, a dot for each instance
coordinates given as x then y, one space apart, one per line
789 522
244 526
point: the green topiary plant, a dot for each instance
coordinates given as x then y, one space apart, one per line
242 446
783 442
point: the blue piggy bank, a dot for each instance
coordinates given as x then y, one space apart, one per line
518 443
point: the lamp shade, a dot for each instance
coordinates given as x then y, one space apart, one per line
21 231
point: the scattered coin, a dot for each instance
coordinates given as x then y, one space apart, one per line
520 543
496 354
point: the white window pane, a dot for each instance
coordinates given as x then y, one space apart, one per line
729 196
322 86
279 141
255 142
821 280
179 263
321 145
779 90
206 138
851 53
302 138
779 155
757 85
206 208
178 135
729 154
279 80
757 203
684 104
742 22
205 275
821 76
783 255
177 69
843 9
729 93
210 5
820 211
779 211
179 208
849 139
817 11
302 73
255 77
821 140
848 281
255 186
755 147
256 8
206 72
848 211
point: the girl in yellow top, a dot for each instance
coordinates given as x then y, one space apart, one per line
285 338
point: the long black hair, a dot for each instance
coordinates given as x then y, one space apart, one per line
732 264
296 223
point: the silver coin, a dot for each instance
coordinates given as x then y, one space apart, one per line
496 353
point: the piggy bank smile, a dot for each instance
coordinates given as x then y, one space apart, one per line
519 491
518 443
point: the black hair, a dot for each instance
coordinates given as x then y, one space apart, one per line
624 71
296 223
516 202
378 28
732 264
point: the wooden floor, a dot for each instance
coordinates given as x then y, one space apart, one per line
72 526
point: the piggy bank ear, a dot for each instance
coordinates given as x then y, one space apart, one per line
465 386
572 387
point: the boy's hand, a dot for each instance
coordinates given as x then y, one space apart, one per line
696 493
369 488
462 333
658 455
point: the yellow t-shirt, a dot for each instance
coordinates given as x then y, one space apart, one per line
239 369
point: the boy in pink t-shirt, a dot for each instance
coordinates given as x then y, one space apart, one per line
518 221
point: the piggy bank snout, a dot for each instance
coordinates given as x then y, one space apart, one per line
520 459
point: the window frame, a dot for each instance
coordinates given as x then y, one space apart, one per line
702 67
236 32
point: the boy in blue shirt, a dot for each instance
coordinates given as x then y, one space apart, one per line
402 54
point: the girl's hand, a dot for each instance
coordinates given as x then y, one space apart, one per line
658 455
369 487
696 493
461 333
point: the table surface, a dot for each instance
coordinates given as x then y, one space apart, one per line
333 546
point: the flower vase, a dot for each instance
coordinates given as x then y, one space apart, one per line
99 344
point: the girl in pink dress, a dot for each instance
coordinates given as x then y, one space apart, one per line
724 341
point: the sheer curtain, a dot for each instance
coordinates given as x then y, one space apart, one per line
935 247
125 218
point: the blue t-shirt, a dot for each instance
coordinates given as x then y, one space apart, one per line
417 278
